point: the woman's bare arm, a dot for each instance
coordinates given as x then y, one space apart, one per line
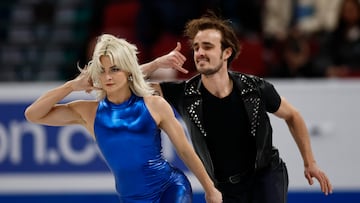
164 115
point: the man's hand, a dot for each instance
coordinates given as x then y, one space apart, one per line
314 171
175 59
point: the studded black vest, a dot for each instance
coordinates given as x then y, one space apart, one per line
186 98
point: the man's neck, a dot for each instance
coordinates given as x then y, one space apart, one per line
218 84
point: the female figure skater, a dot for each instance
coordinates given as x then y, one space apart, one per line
125 121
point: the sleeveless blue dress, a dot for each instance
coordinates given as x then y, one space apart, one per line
130 143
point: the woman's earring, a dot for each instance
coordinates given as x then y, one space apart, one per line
130 78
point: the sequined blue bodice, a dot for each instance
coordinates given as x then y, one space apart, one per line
130 143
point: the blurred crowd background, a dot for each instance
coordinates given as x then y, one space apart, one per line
45 40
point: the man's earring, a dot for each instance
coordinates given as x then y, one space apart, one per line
130 78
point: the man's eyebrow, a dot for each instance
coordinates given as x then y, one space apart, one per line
207 43
202 43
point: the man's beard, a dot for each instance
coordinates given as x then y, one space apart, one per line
210 71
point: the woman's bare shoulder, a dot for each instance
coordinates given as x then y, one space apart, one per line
155 100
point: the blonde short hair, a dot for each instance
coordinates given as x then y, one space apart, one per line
123 55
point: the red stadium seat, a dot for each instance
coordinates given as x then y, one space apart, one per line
251 58
120 19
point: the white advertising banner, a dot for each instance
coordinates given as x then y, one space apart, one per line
41 159
331 111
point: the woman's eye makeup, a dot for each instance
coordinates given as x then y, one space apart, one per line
115 69
111 69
